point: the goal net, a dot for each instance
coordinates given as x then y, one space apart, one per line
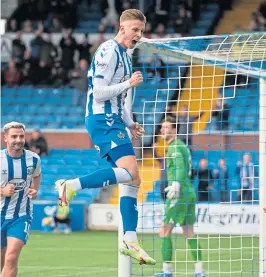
215 86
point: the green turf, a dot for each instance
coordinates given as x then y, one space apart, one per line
94 254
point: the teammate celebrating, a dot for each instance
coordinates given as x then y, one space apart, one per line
110 77
20 180
181 199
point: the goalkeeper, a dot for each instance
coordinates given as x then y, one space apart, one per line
181 199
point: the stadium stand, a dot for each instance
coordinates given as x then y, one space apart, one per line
69 163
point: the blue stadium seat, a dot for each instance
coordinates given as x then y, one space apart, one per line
49 171
54 161
55 152
32 110
73 152
47 109
53 125
40 119
90 162
25 91
72 162
65 171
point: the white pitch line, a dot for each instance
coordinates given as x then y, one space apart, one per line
66 267
77 249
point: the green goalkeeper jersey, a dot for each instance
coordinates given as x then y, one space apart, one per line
179 167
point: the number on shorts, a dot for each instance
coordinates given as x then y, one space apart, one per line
27 228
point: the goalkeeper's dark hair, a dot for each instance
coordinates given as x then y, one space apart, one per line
173 120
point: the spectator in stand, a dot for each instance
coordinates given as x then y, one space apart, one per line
58 75
36 45
157 68
222 176
160 30
257 23
12 75
85 49
222 113
126 4
148 30
18 49
38 143
55 25
79 81
70 14
27 27
29 69
262 9
205 178
56 6
101 30
48 51
43 73
194 8
109 9
245 172
68 45
12 25
162 12
183 22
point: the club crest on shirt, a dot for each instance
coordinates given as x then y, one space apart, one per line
20 184
121 135
30 170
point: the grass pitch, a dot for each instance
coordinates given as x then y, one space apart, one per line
94 254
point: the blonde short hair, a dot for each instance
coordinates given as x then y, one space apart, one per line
132 14
13 124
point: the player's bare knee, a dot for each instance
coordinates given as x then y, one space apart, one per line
165 232
188 232
135 177
11 259
136 181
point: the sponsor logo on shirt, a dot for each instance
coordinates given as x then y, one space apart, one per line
30 170
101 65
19 184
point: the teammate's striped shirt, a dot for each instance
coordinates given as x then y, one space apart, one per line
112 63
18 171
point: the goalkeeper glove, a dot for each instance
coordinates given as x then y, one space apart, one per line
173 191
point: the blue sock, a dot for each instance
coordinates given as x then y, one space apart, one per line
128 207
105 177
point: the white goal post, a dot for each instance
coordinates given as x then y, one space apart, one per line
240 54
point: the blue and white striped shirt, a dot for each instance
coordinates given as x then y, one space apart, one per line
18 171
112 63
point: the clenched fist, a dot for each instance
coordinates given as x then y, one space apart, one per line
8 190
136 79
32 193
136 130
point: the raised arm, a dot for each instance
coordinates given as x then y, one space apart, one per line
103 92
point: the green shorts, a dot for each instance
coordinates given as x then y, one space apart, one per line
182 211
